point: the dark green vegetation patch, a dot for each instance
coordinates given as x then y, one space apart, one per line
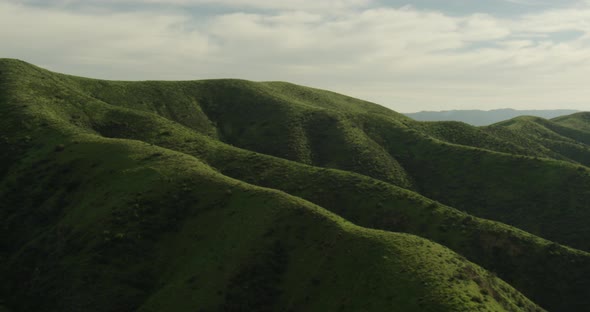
229 195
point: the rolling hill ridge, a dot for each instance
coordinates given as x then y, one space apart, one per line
225 194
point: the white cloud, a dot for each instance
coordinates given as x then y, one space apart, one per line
480 27
556 21
134 40
307 5
277 4
528 2
404 58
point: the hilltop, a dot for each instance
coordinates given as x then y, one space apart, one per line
225 194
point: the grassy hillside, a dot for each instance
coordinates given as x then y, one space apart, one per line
272 118
103 224
579 121
542 196
133 226
565 138
376 204
325 129
133 191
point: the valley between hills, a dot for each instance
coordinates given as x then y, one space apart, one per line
232 195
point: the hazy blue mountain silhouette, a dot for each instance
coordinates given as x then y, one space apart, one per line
484 118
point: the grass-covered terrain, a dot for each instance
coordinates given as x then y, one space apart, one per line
230 195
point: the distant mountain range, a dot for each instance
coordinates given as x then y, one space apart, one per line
484 118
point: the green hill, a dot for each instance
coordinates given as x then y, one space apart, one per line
579 121
565 138
231 195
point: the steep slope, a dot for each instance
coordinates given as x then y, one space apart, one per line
459 133
545 197
217 243
324 129
513 254
579 121
375 204
559 140
302 124
102 224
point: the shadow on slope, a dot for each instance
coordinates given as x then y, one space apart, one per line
98 224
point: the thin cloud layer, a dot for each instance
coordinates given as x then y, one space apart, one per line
402 57
307 5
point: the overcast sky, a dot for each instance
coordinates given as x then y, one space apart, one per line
408 56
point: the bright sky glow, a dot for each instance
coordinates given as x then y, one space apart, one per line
408 56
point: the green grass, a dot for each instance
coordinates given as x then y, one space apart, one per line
230 194
375 204
579 121
304 125
133 226
564 138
